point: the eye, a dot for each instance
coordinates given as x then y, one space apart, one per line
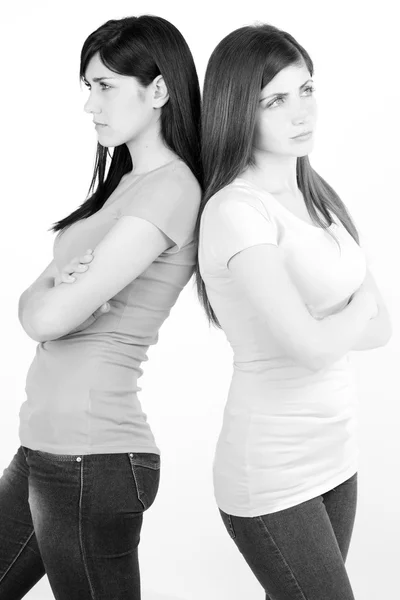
278 101
309 90
87 84
104 86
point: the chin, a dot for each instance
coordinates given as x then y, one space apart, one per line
107 140
108 143
303 153
304 150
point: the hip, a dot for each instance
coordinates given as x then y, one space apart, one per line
91 426
264 463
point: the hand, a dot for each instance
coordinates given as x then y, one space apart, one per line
328 311
366 300
76 265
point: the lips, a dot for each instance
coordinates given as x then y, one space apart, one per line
304 134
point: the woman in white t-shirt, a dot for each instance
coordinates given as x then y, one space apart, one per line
281 271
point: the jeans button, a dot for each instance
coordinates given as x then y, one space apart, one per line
131 455
78 459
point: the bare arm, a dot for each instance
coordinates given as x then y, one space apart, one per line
262 275
33 293
67 274
125 252
378 331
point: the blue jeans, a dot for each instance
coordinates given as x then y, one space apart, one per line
77 519
299 553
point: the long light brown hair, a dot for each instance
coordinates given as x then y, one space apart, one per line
242 64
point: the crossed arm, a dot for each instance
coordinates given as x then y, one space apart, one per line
315 343
48 312
378 331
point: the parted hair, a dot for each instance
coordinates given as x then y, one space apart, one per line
241 65
144 47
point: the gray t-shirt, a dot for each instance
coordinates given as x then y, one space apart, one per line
82 388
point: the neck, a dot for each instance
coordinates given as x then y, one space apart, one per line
148 152
273 172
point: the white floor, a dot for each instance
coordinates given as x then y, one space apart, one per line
42 591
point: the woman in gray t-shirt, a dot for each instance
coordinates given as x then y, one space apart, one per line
72 499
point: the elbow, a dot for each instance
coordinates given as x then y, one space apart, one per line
383 330
43 327
386 333
32 330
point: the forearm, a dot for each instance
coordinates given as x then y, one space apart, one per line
46 313
336 335
376 334
378 330
55 313
29 304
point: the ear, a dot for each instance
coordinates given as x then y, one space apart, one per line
160 92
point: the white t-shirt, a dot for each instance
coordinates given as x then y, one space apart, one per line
289 433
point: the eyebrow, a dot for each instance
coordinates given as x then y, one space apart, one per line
286 93
98 79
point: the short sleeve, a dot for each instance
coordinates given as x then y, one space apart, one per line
238 222
169 199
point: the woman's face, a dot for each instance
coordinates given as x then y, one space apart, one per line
122 109
287 114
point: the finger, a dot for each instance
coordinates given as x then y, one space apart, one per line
66 278
78 260
80 268
70 267
104 308
74 267
86 258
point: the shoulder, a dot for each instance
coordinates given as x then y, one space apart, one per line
169 198
173 179
233 198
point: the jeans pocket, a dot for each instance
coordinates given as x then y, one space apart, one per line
227 519
56 458
146 474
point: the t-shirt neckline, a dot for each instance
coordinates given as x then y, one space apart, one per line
280 206
117 193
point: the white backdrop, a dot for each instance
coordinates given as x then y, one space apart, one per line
48 146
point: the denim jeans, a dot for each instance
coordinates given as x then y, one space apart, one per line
77 519
299 553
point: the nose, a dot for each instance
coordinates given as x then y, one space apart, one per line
300 117
300 114
91 106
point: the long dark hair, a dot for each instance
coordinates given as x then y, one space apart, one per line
144 47
242 64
